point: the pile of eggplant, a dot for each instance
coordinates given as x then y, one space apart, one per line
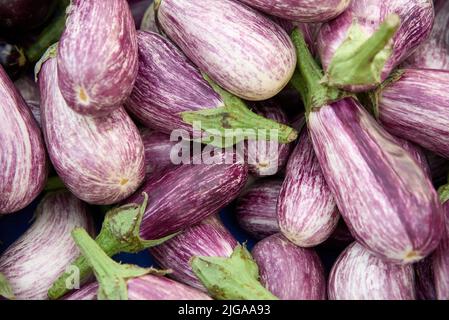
141 127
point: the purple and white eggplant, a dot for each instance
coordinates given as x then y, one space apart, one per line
301 10
360 275
256 209
288 271
306 208
414 105
30 93
440 262
35 260
97 56
384 195
356 57
208 238
243 51
23 161
100 160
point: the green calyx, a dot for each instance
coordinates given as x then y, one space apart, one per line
50 53
360 60
233 278
54 184
5 288
120 233
444 193
111 276
234 122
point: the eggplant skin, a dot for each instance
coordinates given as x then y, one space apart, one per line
243 51
440 263
158 148
256 209
42 253
97 56
416 108
288 271
360 275
21 15
306 210
385 197
301 10
23 160
425 286
209 238
100 160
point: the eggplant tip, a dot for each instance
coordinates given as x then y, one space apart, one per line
83 96
412 256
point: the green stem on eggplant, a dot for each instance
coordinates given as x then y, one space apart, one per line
5 289
54 184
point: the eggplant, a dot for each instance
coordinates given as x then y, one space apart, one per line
207 238
243 51
288 271
256 208
440 262
301 10
138 9
23 160
30 93
306 209
360 275
35 260
358 58
171 94
434 53
158 148
12 58
384 195
425 286
100 160
412 105
418 154
24 15
97 56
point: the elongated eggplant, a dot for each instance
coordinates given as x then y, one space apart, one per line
384 195
288 271
356 57
434 53
413 105
243 51
360 275
97 56
35 260
100 160
306 208
158 148
417 153
23 161
301 10
30 93
440 262
208 238
256 208
23 15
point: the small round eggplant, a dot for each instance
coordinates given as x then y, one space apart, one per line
23 15
288 271
97 56
243 51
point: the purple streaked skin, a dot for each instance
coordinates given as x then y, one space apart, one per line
97 56
209 238
243 51
434 53
100 160
158 148
385 197
30 93
306 208
288 271
35 260
417 153
440 262
416 16
416 108
360 275
149 287
308 11
23 160
256 209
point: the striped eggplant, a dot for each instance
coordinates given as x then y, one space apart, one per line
414 105
35 260
243 51
434 53
23 161
440 262
356 57
256 208
158 148
97 56
417 153
301 10
306 208
30 93
288 271
207 238
100 160
360 275
384 195
171 94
